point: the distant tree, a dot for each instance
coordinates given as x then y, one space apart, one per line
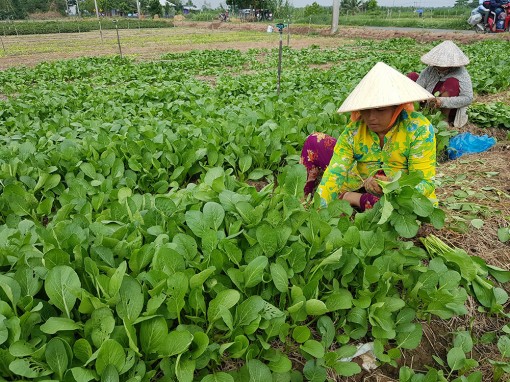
34 6
313 9
154 8
18 11
126 6
178 5
105 6
254 4
285 10
88 5
279 8
5 6
351 5
372 5
461 3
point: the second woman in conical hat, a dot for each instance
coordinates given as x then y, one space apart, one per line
447 77
385 132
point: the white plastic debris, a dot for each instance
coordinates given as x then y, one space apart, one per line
366 353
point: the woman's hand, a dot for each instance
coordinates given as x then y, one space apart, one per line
434 103
371 185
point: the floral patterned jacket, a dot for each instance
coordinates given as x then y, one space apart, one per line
410 145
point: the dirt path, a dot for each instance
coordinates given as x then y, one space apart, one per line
421 35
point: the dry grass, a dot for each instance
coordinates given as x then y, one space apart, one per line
490 192
50 15
498 97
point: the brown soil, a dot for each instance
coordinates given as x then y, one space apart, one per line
499 97
462 37
489 181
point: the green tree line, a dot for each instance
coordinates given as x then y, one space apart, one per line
20 9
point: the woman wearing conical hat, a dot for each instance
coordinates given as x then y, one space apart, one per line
447 77
384 132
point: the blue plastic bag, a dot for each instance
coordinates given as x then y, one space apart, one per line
467 143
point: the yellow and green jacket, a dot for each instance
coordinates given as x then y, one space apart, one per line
409 146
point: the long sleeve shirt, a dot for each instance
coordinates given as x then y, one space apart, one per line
430 76
409 146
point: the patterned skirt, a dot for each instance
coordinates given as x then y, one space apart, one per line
315 156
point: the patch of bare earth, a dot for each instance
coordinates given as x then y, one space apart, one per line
501 135
489 98
486 180
322 66
211 80
426 35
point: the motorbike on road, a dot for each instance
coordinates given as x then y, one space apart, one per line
498 20
224 17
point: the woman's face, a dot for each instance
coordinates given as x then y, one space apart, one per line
378 119
442 70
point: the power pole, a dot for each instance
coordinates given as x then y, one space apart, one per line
288 32
97 10
98 20
138 9
336 15
280 30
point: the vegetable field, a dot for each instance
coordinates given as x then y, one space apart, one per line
153 227
72 26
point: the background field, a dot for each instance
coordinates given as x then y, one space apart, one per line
151 43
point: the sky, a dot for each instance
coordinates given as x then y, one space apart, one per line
384 3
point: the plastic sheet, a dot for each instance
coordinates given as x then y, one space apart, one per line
467 143
366 353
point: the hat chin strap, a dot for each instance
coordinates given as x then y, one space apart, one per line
409 106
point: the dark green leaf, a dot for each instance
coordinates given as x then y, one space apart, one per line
56 356
254 271
314 348
176 342
110 353
152 334
56 324
131 299
62 287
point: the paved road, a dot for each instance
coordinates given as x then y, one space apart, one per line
404 29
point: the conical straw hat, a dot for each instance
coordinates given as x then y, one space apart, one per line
445 55
383 86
